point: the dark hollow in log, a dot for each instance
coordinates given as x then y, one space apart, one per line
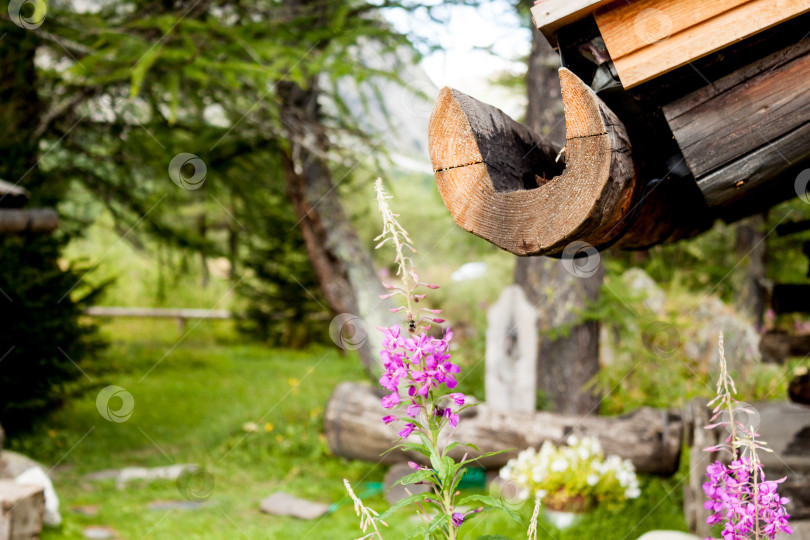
650 438
495 175
35 220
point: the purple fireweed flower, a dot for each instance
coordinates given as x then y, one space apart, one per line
407 430
458 519
414 465
422 364
390 401
388 419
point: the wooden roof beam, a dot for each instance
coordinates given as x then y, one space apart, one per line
501 182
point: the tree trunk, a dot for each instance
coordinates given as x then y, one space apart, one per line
567 363
342 264
752 245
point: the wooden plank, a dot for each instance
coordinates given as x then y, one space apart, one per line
551 15
653 20
717 124
36 220
730 183
645 50
147 312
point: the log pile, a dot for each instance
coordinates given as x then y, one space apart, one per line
650 438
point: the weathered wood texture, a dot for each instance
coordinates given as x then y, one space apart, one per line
21 510
650 438
35 220
696 416
746 128
777 347
551 15
511 352
497 177
647 38
786 428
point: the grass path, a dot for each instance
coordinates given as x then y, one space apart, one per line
252 417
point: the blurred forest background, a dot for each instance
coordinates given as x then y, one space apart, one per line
293 108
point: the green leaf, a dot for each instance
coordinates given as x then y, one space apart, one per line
416 497
143 65
492 503
493 537
488 454
418 476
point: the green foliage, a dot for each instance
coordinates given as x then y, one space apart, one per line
43 337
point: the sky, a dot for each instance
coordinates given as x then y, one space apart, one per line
462 64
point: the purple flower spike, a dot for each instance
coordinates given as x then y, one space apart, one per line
390 401
407 430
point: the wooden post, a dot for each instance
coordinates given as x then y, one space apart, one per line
36 220
21 510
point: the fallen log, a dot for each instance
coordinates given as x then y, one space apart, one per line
36 220
501 181
650 438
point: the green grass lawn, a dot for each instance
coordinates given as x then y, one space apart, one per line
193 400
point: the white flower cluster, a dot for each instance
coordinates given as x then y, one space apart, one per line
578 469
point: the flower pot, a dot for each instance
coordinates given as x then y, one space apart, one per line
562 519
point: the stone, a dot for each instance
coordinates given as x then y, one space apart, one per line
36 476
667 535
639 282
13 464
175 505
740 338
99 532
24 470
21 509
511 352
88 510
283 504
394 493
127 474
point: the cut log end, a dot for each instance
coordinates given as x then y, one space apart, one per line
502 182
